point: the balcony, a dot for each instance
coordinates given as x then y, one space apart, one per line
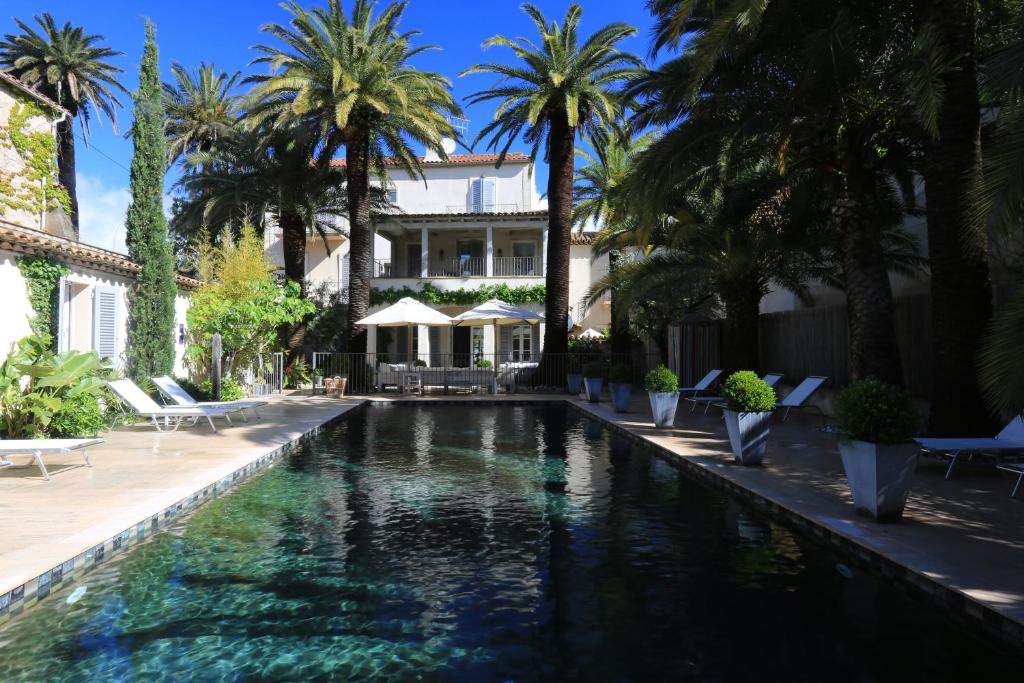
458 266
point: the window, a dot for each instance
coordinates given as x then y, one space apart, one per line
525 258
476 342
393 195
105 320
485 193
522 342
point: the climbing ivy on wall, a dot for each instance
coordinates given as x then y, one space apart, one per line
34 187
429 294
41 276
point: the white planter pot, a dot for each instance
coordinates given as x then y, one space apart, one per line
748 435
879 476
663 406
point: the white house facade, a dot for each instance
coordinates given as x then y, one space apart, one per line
92 310
468 224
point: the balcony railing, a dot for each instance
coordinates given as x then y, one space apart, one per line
458 266
382 268
515 266
511 207
461 266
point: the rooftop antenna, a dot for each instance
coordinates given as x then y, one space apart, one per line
460 127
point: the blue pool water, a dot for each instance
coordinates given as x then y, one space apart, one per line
486 544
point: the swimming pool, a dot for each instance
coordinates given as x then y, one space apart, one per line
485 543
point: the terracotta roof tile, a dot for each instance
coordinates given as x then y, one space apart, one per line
12 80
455 160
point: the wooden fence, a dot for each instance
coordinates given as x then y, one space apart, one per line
815 341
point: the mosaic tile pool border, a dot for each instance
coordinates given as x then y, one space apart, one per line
27 595
957 605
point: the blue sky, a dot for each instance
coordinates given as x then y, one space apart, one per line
222 32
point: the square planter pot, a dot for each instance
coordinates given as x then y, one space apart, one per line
593 387
879 476
575 382
748 435
663 406
622 396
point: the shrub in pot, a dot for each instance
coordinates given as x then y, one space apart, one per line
663 390
484 363
620 382
749 403
876 421
593 377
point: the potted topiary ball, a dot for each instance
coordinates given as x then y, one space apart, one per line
620 382
663 389
593 377
749 403
876 421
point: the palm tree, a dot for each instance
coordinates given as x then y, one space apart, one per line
600 202
68 66
561 88
350 82
201 109
839 90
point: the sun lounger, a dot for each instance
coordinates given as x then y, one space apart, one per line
801 392
40 448
173 391
142 404
772 378
1011 438
703 385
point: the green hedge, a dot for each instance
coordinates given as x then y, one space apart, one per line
429 294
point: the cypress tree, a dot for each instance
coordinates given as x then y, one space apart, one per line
151 302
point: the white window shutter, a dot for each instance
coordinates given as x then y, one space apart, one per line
105 304
476 191
343 275
490 194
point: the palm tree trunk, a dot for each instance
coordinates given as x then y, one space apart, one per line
620 341
293 242
873 348
562 139
742 300
66 165
958 251
357 158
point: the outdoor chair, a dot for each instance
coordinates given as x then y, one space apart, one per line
130 394
703 385
1011 438
771 379
411 383
40 448
801 392
173 391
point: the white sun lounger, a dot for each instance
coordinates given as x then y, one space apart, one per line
141 403
771 379
172 390
801 392
703 385
40 448
1011 438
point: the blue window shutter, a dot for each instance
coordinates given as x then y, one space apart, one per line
476 192
105 305
489 193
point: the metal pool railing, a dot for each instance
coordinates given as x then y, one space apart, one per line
465 372
266 375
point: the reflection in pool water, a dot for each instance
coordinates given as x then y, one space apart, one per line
475 543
